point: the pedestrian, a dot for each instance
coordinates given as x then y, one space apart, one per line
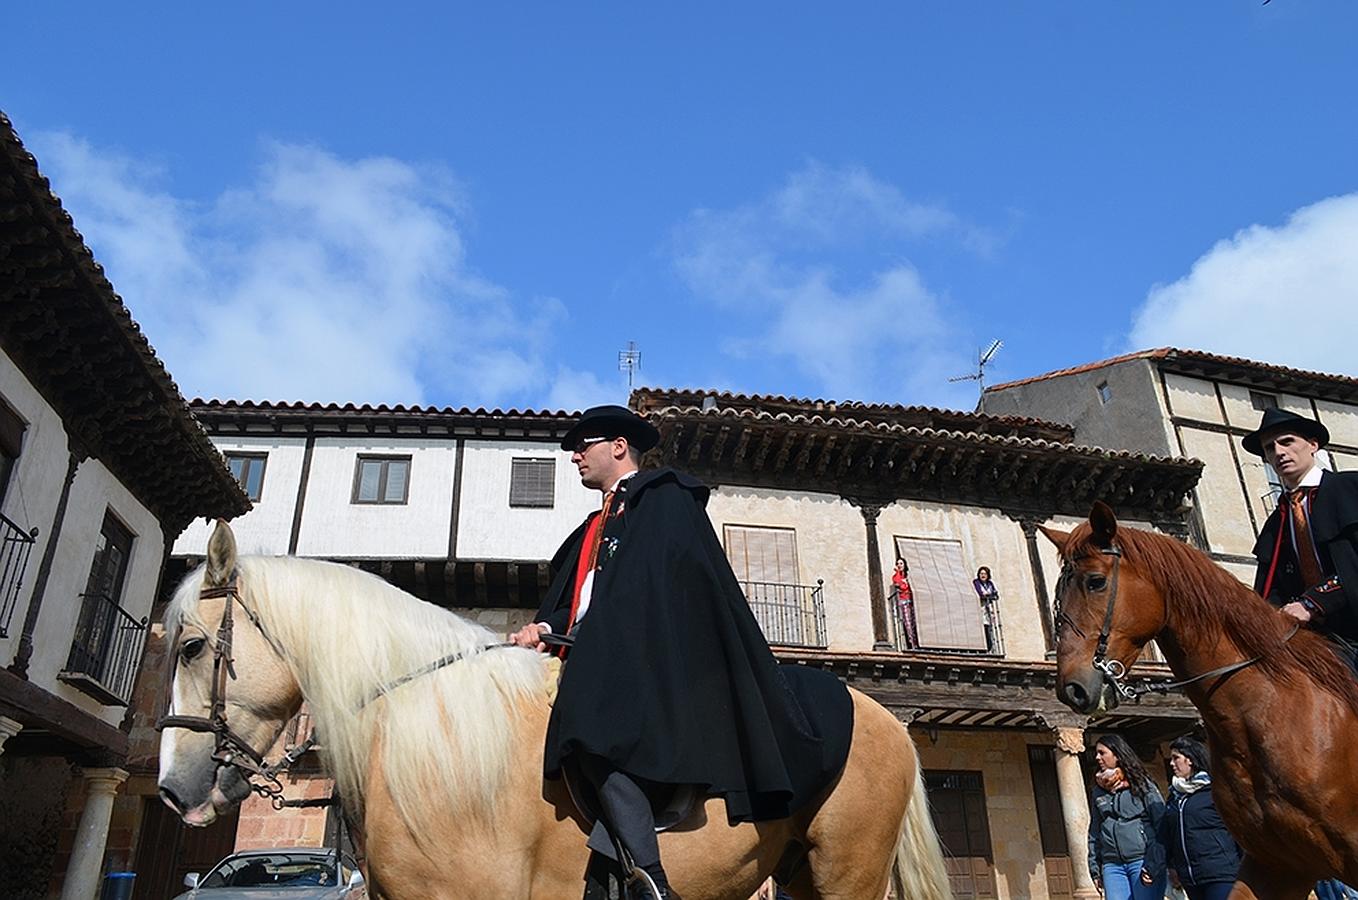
1202 855
989 596
1126 856
905 602
669 681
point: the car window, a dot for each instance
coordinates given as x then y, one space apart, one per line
278 871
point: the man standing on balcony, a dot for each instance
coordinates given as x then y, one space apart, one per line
1308 548
670 680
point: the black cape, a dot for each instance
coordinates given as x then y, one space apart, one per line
670 677
1334 528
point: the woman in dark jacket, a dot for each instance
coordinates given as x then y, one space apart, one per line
1202 852
1126 855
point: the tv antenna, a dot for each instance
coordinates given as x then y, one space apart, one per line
629 361
983 357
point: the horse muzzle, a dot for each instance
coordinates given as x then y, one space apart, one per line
199 807
1089 694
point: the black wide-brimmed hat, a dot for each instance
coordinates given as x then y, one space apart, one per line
612 421
1281 420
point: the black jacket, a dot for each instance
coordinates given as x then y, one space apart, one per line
1334 528
1124 828
1200 848
670 677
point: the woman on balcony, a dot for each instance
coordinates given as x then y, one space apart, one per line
989 596
905 602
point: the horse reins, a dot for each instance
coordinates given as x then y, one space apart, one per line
1114 670
230 748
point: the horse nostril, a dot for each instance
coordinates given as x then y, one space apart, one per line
1076 696
172 801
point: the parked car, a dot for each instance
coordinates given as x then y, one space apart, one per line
284 874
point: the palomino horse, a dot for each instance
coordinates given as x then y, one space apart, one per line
442 773
1280 708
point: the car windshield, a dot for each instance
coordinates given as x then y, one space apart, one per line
278 870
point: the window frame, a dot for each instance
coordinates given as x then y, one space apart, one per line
1105 392
550 461
1262 400
385 459
247 457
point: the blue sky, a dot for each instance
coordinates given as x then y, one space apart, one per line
482 206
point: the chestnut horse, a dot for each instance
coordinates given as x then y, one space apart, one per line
440 767
1279 706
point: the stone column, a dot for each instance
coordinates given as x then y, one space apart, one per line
91 836
1070 743
8 729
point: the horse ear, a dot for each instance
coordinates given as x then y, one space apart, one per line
1057 537
221 555
1103 523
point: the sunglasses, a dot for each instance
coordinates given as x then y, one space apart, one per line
585 443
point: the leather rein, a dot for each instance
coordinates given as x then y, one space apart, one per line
233 750
1113 669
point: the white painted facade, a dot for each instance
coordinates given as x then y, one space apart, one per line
31 500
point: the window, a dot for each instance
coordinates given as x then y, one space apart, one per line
382 479
1261 401
249 471
106 649
762 556
11 443
1105 392
532 483
764 561
947 612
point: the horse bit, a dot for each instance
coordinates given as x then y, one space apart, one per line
1113 669
230 748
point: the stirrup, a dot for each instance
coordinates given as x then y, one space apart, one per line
639 885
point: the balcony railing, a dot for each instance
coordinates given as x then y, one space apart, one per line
789 614
990 613
15 547
106 651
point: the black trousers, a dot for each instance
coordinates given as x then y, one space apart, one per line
626 812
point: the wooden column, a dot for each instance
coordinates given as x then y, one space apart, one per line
1044 602
881 638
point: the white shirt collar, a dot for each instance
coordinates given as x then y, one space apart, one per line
1310 479
621 480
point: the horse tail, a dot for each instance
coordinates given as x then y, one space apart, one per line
918 872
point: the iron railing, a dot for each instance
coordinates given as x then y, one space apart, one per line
789 614
15 547
990 612
106 651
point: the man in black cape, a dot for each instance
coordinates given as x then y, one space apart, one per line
1308 549
669 680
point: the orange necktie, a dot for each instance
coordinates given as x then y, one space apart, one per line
1306 548
589 555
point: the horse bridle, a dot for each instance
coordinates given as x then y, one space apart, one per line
230 748
1113 669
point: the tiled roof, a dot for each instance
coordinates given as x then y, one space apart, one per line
75 340
1339 387
224 417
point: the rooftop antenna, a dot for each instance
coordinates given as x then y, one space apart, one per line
629 361
983 356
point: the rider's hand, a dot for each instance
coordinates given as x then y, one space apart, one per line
1297 611
529 635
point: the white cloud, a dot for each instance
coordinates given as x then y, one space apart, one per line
573 389
796 281
1286 295
324 279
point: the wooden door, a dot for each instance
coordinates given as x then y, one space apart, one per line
167 850
1051 826
957 803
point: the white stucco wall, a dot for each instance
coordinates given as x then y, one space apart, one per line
1342 421
332 525
267 527
831 545
489 528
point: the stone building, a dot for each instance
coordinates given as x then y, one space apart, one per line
101 466
813 501
1194 404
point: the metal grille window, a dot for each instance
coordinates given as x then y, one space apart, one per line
382 479
532 483
106 649
249 471
765 563
947 612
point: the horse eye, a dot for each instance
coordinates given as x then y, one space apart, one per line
191 648
1095 582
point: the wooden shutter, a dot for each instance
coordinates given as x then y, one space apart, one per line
947 611
532 482
762 555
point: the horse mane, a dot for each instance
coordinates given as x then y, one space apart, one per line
446 736
1204 599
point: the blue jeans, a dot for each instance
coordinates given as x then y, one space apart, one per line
1213 890
1122 881
1333 889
